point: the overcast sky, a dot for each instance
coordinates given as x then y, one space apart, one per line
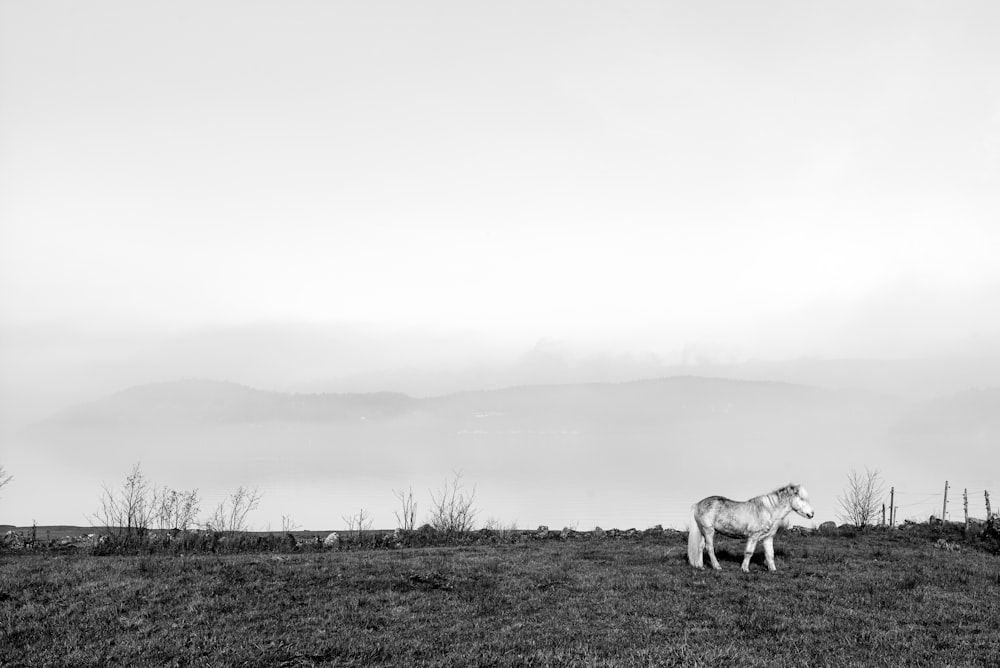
284 193
774 178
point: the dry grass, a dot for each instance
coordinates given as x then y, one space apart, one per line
874 599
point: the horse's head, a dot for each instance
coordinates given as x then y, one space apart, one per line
800 502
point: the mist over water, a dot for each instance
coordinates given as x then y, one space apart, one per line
625 454
462 204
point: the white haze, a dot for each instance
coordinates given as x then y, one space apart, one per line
447 196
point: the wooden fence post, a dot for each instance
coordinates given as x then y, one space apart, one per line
944 505
892 506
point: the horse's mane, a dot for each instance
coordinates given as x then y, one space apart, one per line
789 490
776 497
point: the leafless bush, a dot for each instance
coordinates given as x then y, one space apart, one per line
175 509
230 515
288 525
862 498
406 516
452 508
127 511
358 523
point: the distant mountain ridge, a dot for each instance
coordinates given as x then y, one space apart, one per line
778 416
909 379
201 401
676 398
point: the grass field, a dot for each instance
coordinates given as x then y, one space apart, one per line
874 599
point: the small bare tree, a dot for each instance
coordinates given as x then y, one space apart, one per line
358 523
406 516
128 510
230 515
164 503
452 508
862 498
174 509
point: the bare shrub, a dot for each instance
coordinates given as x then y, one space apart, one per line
862 499
406 516
230 515
127 511
358 523
175 509
452 508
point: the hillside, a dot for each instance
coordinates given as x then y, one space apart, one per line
204 401
678 399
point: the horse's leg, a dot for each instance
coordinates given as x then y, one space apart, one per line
769 553
748 553
710 547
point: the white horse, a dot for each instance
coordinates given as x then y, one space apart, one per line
756 520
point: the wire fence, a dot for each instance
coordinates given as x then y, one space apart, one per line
920 505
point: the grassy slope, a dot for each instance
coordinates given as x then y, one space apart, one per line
874 600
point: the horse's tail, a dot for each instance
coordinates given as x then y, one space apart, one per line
696 542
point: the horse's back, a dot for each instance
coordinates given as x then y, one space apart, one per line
713 502
706 509
722 514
